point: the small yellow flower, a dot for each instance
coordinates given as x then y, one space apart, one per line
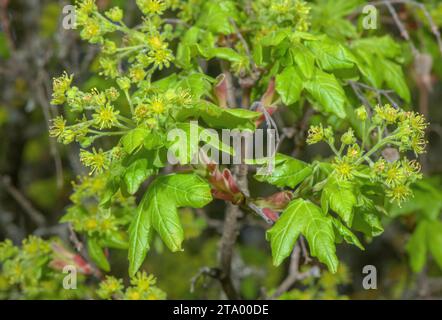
107 224
115 14
91 29
109 286
58 126
387 113
157 105
151 6
132 294
399 193
141 112
348 137
315 134
343 169
418 144
33 245
361 113
394 175
143 281
160 58
98 161
112 94
354 152
86 6
60 85
91 224
155 42
137 74
106 117
380 166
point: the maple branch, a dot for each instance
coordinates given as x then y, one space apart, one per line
36 216
294 274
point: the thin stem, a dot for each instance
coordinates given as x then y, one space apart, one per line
126 93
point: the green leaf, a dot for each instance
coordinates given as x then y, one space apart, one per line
327 91
115 240
153 140
348 236
275 37
289 85
97 255
434 238
136 174
288 172
140 235
417 247
158 211
304 59
224 53
134 139
331 55
304 217
339 196
383 46
368 222
198 83
215 16
394 77
220 118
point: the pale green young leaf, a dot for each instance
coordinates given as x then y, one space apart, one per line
368 222
339 196
288 172
134 139
434 239
289 85
327 92
304 217
348 236
395 79
97 255
417 247
158 211
304 59
331 55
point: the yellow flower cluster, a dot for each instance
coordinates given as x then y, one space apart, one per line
142 288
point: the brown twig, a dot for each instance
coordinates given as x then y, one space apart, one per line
293 273
356 86
36 216
227 244
400 25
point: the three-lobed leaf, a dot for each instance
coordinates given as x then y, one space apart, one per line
158 211
303 217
